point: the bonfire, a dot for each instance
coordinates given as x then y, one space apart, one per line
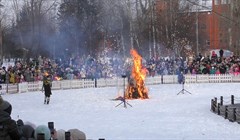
136 87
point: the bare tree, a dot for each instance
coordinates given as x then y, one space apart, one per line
235 15
1 34
115 24
175 26
36 14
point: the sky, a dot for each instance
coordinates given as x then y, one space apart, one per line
164 116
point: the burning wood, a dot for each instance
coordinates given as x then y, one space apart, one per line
136 87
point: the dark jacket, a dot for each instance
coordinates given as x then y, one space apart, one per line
28 131
47 84
8 127
9 131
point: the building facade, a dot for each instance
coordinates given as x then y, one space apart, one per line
216 26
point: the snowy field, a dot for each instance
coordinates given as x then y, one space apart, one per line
164 116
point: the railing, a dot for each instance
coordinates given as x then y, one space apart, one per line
111 82
228 108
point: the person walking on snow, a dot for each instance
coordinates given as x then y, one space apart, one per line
47 84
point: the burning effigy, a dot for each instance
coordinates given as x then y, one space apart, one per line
136 88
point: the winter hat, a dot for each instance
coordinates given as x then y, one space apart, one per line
5 106
31 124
60 134
20 122
43 129
28 131
77 134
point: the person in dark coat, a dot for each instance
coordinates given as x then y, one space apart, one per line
221 53
47 84
8 127
181 79
26 130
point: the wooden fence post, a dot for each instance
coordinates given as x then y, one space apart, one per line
215 99
226 112
234 114
212 105
232 99
218 109
221 100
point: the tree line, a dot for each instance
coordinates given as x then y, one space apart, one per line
78 27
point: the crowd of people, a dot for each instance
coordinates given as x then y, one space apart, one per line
93 68
46 70
18 130
195 65
75 68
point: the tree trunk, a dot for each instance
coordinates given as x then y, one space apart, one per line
130 24
153 30
150 43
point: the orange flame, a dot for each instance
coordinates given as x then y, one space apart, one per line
58 78
136 87
46 74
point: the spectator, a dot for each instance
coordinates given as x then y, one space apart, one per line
77 134
27 130
221 53
60 134
3 75
27 75
31 124
181 78
12 76
214 55
212 70
200 57
8 127
217 71
42 129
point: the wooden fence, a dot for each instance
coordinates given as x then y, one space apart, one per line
118 81
228 108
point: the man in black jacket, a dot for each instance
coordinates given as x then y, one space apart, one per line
47 84
221 53
8 127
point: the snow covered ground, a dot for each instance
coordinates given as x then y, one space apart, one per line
164 116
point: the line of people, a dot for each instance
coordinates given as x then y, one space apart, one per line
90 68
18 130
